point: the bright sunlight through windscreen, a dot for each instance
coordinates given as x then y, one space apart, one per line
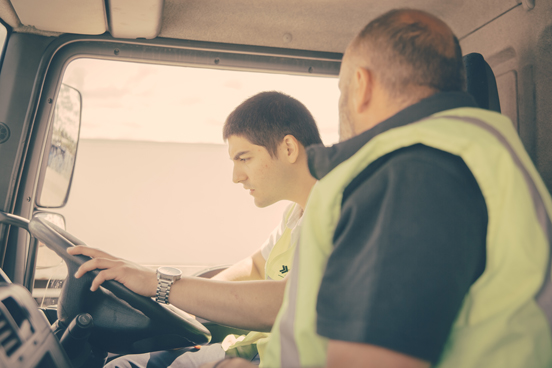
153 178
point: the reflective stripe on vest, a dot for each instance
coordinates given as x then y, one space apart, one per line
544 296
488 329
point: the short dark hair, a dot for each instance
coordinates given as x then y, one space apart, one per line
266 118
410 53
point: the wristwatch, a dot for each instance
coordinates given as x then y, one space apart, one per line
166 276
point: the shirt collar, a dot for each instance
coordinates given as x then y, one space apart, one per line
295 216
322 159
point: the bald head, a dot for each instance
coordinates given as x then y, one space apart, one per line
412 54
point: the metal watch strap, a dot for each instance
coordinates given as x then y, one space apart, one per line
163 290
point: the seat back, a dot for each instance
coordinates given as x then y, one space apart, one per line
481 82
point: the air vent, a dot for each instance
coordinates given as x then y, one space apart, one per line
8 337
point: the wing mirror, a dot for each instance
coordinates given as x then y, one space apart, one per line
58 172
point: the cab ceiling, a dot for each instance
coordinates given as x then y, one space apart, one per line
321 25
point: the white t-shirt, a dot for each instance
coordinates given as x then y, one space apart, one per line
292 223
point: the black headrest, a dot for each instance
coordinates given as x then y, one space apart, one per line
481 82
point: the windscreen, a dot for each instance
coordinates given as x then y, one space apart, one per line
153 178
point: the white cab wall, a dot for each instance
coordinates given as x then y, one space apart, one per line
164 203
518 47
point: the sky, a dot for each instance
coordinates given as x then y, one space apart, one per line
133 101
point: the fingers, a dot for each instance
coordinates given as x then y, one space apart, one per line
100 260
101 263
110 271
104 275
90 252
138 279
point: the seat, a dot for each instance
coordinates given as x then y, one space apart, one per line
481 82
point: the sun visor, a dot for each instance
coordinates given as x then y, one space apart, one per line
135 18
65 16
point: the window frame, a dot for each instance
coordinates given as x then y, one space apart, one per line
6 39
67 48
175 53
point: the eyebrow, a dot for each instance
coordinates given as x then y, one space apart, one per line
237 156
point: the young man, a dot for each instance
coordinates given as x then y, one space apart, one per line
267 135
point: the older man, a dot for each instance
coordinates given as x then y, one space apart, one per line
267 135
426 240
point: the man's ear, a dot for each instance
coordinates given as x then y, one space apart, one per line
363 86
289 148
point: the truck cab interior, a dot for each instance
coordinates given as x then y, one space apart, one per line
508 56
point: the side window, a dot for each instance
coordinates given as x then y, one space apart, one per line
3 37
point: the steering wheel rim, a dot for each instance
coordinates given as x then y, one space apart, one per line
163 322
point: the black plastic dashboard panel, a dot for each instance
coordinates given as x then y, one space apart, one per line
26 340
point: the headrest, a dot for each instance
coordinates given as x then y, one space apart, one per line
481 82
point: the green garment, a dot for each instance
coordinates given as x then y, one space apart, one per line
501 323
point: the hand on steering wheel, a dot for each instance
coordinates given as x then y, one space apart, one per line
137 278
124 322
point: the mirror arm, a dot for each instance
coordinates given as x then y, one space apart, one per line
21 222
30 267
9 219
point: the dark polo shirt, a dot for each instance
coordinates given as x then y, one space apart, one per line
408 245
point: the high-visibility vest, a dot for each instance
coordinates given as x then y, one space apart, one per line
278 264
503 321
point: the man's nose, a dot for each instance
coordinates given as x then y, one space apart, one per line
238 175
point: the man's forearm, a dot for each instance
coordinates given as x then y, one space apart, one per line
251 305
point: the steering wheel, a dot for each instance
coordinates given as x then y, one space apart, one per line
124 322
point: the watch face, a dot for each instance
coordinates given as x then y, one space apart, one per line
169 271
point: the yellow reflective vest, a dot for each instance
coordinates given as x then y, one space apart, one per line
502 322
